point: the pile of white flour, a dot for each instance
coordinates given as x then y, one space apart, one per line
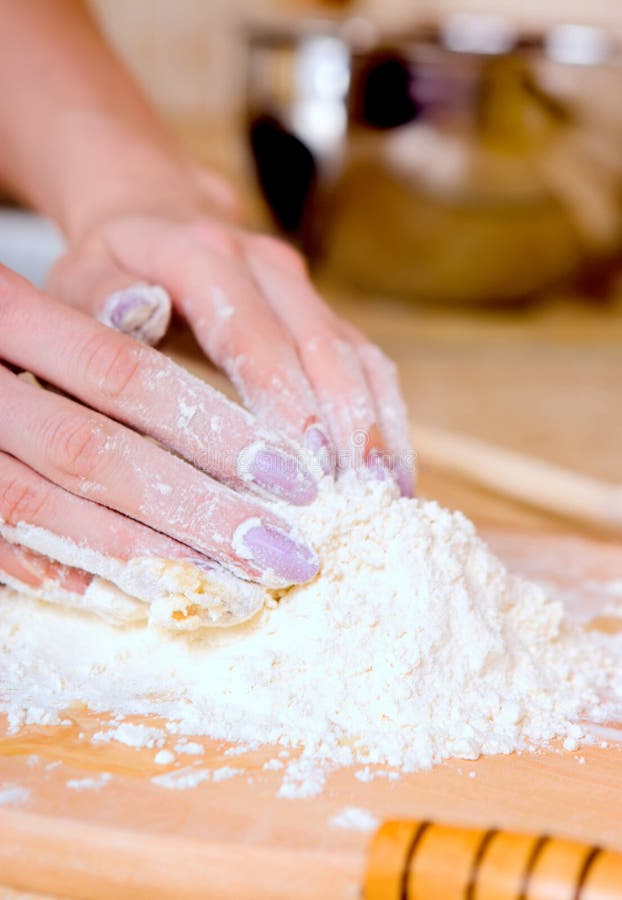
413 645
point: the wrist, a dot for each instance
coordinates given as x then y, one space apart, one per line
122 169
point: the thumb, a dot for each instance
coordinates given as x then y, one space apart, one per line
92 281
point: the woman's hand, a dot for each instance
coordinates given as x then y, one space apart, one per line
82 468
136 209
256 314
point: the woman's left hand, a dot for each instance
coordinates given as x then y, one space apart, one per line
255 313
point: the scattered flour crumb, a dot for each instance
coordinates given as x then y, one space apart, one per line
303 778
354 819
132 735
368 774
32 715
164 757
13 795
182 779
273 765
89 784
189 747
224 773
240 749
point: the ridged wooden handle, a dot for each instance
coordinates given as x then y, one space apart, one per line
428 861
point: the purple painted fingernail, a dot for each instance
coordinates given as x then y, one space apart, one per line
379 466
384 467
316 440
142 311
208 565
280 557
282 475
405 477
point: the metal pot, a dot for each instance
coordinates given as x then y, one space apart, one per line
466 163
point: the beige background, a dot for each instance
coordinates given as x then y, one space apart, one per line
187 52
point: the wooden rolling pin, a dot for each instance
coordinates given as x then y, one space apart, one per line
428 861
406 861
524 478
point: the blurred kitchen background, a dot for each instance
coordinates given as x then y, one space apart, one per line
454 171
442 151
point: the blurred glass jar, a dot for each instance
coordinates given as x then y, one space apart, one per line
466 164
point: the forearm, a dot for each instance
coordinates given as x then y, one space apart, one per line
77 138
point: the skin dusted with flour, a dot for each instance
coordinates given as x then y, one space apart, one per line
149 231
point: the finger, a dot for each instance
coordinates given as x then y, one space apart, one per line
382 378
220 193
32 570
92 457
202 266
330 361
141 388
27 497
90 280
34 575
182 589
38 576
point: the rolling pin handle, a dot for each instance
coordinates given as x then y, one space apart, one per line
411 860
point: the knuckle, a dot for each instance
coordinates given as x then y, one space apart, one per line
218 238
74 445
20 501
280 253
379 358
111 364
320 338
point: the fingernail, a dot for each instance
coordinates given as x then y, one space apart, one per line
378 467
282 475
208 565
142 311
382 468
274 552
317 442
405 477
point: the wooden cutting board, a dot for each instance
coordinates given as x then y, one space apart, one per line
235 839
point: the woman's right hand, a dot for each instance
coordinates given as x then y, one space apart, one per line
85 469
